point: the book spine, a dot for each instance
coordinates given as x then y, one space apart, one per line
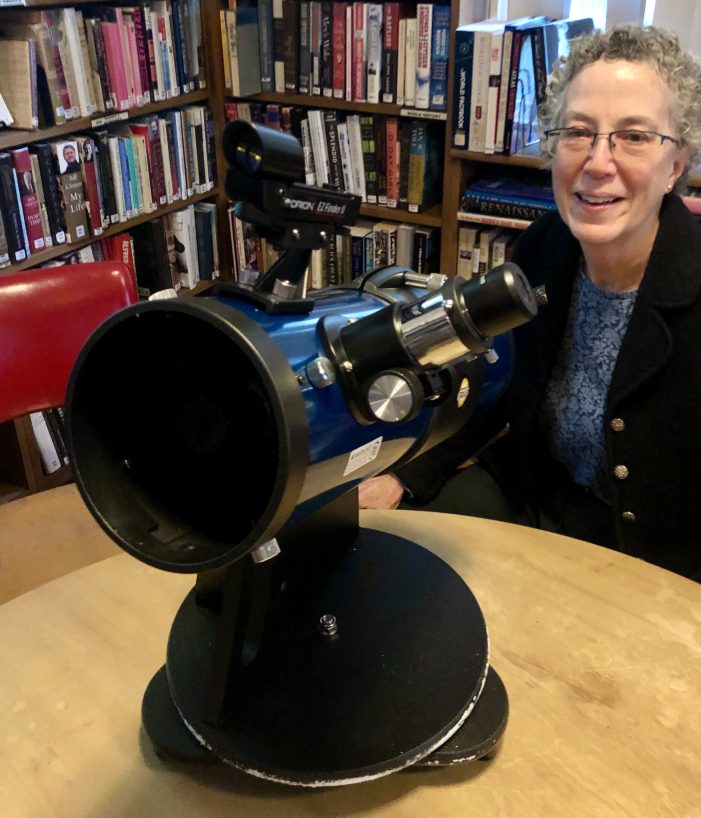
392 140
142 53
410 62
151 54
381 164
401 60
4 249
98 44
43 213
315 46
390 51
28 199
418 153
52 28
424 27
332 148
350 34
404 151
439 58
359 90
290 17
116 162
104 163
115 62
480 90
87 167
510 210
503 91
11 210
513 85
335 75
305 55
52 195
493 90
168 176
70 27
355 141
540 71
308 151
265 35
345 155
327 64
367 132
373 40
278 46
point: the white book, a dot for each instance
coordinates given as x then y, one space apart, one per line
480 84
113 143
91 75
233 53
410 63
309 172
187 188
70 26
279 66
167 172
49 456
493 89
355 143
322 169
424 30
401 57
467 239
183 224
144 176
318 274
373 44
345 154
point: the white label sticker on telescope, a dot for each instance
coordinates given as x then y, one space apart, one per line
363 455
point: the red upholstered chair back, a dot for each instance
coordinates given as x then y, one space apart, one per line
46 315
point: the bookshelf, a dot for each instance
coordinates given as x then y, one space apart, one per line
21 470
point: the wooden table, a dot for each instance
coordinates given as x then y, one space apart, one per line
600 655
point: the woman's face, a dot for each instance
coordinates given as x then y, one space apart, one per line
611 200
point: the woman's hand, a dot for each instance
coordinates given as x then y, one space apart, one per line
384 491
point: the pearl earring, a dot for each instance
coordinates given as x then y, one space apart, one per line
670 185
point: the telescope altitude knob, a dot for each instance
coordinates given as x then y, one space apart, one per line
395 396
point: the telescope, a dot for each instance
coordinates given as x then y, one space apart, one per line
223 435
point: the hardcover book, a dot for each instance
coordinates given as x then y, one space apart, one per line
70 184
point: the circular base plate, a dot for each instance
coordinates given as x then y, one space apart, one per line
480 734
397 680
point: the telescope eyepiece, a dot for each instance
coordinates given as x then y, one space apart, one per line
263 153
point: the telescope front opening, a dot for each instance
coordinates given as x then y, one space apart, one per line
179 442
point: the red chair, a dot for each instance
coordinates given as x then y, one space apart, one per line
46 316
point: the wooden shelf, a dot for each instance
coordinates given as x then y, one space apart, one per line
529 158
432 217
309 101
14 138
63 249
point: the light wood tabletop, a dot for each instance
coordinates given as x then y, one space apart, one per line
600 655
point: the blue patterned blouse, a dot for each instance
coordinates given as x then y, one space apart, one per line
572 413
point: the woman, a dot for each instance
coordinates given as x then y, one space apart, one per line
604 408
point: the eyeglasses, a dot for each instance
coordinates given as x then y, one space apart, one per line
632 143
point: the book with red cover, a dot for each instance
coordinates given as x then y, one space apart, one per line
116 68
338 49
358 75
96 212
28 198
122 249
392 160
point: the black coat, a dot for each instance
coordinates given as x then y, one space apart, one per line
653 412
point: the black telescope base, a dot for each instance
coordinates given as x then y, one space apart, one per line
403 681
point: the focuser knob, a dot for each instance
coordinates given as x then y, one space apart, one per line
395 396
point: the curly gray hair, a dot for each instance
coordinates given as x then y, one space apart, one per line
655 46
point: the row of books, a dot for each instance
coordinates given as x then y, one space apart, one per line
526 197
385 160
67 190
171 251
351 251
362 52
501 71
480 248
77 62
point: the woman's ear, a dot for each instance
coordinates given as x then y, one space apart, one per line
681 163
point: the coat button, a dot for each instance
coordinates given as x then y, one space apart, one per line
628 517
620 472
617 424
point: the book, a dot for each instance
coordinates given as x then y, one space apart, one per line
265 35
424 26
18 82
405 244
52 195
468 236
290 28
43 213
367 133
11 210
315 46
373 42
390 51
278 47
358 57
185 236
28 199
440 41
70 184
304 75
93 202
151 257
410 62
317 131
423 168
333 149
385 238
392 160
355 143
